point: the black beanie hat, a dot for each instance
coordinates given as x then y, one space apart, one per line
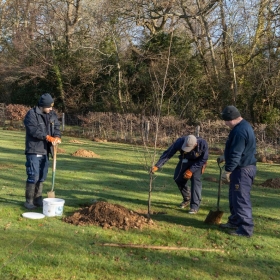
230 113
46 101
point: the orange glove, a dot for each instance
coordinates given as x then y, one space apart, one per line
154 169
187 174
50 138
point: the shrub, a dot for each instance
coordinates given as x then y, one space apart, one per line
16 112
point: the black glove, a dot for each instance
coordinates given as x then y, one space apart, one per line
221 159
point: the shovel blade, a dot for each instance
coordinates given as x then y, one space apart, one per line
51 194
214 217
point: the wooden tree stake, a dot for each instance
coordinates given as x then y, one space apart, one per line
159 247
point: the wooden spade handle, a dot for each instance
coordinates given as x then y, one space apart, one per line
54 165
54 157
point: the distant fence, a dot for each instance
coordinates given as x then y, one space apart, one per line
133 128
136 128
139 129
2 113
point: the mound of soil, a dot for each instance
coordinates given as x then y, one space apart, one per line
85 153
272 158
272 183
60 151
108 215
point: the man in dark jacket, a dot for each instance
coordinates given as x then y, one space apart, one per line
192 162
42 131
240 171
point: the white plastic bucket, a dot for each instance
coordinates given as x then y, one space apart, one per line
53 206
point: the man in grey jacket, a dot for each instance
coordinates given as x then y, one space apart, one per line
42 132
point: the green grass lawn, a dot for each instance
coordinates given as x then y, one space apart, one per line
52 249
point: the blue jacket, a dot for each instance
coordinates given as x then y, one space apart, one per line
240 147
38 125
197 157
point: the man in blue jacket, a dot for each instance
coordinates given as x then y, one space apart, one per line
42 131
240 171
192 162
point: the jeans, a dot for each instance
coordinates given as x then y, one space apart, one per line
196 186
36 168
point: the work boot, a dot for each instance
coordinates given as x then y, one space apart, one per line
193 211
228 225
236 233
185 191
29 195
184 204
38 200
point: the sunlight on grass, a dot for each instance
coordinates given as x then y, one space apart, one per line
51 249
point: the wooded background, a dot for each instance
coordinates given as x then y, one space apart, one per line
115 56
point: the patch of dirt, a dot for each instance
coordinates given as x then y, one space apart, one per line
76 141
272 183
211 179
6 166
85 153
108 216
99 140
60 151
216 151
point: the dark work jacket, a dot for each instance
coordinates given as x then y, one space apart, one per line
197 157
38 125
240 147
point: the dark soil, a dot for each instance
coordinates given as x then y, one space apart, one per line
108 215
272 183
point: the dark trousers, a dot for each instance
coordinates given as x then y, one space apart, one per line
36 168
241 180
194 195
